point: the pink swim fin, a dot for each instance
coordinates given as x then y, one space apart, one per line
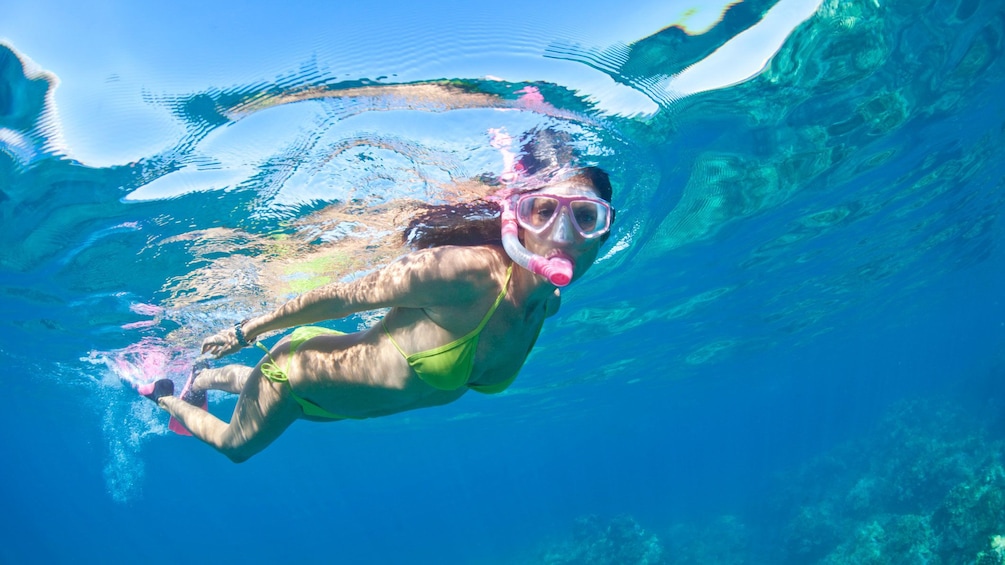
192 397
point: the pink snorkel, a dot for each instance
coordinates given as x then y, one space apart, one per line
558 270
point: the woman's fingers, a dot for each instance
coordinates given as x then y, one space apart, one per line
218 344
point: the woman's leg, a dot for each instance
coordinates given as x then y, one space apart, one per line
264 410
230 378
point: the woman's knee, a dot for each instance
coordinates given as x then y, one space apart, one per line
239 447
237 455
262 414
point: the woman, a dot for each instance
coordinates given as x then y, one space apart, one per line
466 310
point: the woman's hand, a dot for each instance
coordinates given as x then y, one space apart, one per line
222 343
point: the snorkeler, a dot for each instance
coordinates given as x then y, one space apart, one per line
465 311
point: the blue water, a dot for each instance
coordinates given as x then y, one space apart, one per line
791 350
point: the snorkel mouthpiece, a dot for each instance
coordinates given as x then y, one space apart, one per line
558 269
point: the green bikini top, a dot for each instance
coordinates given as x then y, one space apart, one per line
449 366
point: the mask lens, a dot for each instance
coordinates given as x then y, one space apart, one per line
536 212
591 216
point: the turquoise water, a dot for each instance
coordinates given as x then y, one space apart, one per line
790 351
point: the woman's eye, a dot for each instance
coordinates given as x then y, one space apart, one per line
545 212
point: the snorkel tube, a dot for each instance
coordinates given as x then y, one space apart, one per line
558 270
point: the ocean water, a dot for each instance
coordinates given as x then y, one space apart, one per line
791 350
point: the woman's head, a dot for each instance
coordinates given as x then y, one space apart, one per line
545 162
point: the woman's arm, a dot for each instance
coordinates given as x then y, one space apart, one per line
431 277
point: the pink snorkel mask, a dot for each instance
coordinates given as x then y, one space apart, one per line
558 269
539 213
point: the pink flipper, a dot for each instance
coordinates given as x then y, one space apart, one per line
146 390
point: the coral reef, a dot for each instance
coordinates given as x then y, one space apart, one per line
623 541
724 540
927 487
596 542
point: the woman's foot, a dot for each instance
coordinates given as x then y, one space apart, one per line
157 389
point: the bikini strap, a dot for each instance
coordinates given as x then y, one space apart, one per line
394 343
499 299
270 369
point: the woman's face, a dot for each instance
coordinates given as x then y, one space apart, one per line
562 238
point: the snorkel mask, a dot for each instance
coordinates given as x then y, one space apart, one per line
539 212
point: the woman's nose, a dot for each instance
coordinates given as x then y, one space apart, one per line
563 232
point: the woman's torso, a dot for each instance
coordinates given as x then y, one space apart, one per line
367 375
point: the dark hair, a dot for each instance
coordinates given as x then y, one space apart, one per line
545 154
468 223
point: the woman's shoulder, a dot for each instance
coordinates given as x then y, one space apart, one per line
449 274
462 260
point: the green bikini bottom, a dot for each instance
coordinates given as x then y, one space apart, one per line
274 373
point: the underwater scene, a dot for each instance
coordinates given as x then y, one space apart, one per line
790 349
